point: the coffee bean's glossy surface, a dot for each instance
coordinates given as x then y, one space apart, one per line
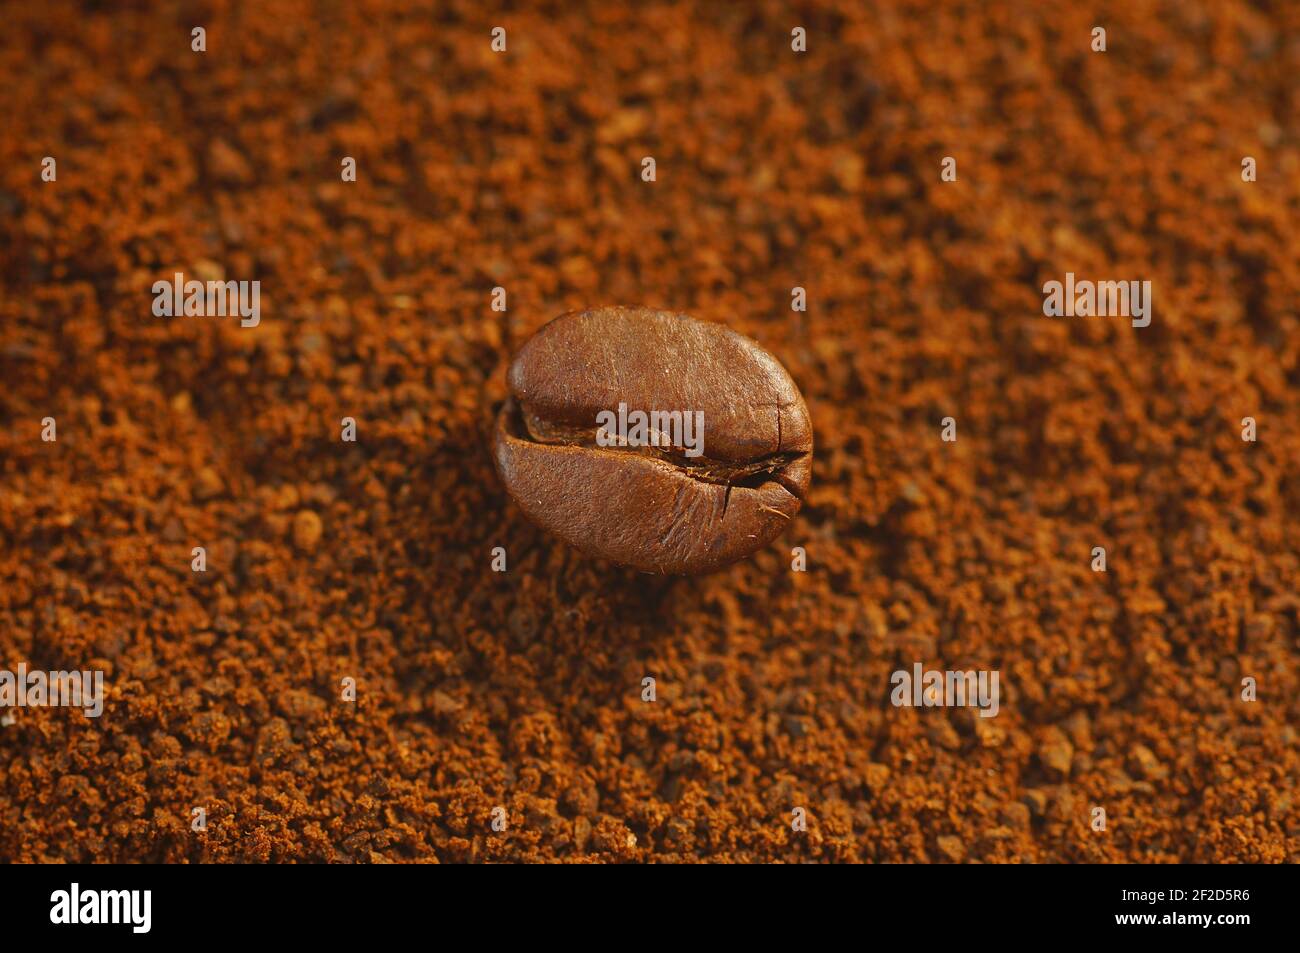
660 504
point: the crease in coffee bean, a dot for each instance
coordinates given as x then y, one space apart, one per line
766 469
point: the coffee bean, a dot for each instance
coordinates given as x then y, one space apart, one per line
661 498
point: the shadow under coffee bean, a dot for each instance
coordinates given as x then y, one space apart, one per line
648 498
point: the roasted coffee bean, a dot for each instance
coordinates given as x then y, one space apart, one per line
716 466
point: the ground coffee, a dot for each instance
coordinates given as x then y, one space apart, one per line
518 695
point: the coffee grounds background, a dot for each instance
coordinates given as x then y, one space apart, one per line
522 689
